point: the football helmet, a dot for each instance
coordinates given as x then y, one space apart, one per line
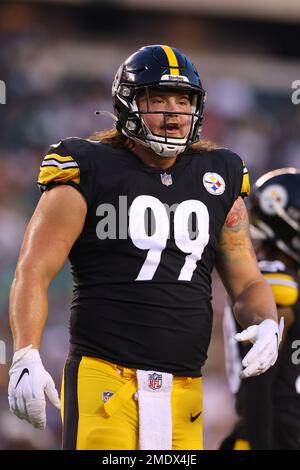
153 67
275 210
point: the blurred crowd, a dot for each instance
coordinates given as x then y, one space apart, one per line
55 81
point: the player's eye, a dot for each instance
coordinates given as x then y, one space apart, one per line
156 100
184 102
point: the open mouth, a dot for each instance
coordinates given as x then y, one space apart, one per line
171 128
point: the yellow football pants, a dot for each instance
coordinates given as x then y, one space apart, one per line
241 444
92 422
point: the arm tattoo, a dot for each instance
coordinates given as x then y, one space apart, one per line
236 217
235 242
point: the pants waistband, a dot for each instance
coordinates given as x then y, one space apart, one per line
127 372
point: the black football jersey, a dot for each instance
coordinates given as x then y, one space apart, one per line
142 264
285 284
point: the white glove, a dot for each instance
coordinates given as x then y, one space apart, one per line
266 338
29 382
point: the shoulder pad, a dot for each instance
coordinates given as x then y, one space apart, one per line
58 166
284 286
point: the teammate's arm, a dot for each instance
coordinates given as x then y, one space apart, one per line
251 296
56 224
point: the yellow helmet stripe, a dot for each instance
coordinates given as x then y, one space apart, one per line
172 59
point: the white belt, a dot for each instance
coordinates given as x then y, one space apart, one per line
155 415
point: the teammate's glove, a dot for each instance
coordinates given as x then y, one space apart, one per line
29 382
266 338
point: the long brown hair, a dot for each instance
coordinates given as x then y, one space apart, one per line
116 138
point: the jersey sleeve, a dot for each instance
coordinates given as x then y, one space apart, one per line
236 173
245 187
66 163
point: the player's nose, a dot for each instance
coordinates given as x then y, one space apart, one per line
172 105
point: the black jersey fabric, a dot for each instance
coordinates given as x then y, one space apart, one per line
144 300
269 404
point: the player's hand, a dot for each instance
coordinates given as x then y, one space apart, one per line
266 338
29 382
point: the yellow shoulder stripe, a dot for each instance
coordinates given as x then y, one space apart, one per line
172 59
60 158
284 287
245 183
284 278
55 174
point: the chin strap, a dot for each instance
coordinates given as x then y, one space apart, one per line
165 150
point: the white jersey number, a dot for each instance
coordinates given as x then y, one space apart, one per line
157 241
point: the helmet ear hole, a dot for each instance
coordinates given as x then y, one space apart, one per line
131 125
125 91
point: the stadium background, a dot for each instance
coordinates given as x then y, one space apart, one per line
58 59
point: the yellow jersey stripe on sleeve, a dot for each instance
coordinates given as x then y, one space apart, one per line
58 158
245 189
61 165
284 287
57 174
172 59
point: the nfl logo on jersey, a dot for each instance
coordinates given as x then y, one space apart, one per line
154 381
166 179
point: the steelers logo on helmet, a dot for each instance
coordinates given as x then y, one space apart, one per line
214 183
275 210
273 198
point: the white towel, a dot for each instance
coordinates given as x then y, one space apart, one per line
155 415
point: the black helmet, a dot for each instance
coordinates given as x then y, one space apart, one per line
275 210
161 67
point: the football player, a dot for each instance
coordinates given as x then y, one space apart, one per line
143 212
269 405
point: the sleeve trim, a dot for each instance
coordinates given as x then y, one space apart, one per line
66 183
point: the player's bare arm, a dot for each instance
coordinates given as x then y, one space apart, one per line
250 294
53 229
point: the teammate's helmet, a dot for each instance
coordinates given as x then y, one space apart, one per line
275 210
160 67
